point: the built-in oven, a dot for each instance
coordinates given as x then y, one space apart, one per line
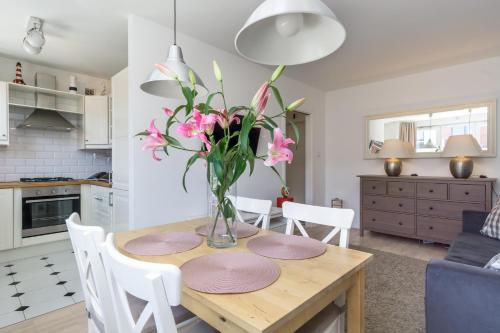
45 209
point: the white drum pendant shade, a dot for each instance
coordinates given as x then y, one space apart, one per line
290 32
159 84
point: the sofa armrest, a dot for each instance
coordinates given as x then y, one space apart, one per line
473 221
461 298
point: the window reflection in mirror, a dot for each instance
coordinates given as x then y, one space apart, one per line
428 130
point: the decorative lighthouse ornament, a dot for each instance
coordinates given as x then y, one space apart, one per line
19 74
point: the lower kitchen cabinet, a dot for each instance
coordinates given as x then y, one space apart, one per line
120 210
7 219
96 206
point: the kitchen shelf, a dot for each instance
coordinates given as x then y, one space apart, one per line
24 106
32 89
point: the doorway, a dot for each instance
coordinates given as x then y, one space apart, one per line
296 172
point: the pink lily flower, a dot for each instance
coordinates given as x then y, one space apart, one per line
224 120
154 140
199 126
278 150
168 112
205 123
260 99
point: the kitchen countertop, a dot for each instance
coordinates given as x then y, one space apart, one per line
48 184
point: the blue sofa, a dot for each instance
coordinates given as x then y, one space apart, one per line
460 295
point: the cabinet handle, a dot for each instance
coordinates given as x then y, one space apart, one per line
431 228
400 189
110 199
374 187
373 220
431 191
98 199
431 208
373 202
466 193
400 205
400 223
4 135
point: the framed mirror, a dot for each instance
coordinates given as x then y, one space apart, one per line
428 130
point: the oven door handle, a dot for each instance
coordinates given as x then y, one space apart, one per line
55 199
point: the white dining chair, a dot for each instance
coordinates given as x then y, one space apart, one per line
340 219
157 285
255 206
86 241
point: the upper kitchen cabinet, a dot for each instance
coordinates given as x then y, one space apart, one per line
4 113
97 122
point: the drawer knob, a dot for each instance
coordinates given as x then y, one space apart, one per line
400 189
466 193
431 228
431 208
373 220
373 202
431 191
374 187
400 223
400 205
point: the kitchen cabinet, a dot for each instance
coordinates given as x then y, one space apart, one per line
97 206
7 219
4 113
97 122
120 142
120 210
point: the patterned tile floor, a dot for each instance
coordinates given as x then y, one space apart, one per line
38 285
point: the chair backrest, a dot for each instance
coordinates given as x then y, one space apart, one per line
87 241
158 285
339 218
256 206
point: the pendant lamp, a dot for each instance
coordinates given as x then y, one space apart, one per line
159 84
290 32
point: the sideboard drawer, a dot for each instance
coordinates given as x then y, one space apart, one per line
404 189
374 187
432 191
451 210
403 205
403 224
438 229
465 192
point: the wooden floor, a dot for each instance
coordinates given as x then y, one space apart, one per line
73 319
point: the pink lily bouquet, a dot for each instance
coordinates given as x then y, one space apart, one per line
226 157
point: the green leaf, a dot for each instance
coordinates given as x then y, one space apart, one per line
246 126
144 133
188 95
190 162
192 77
277 72
217 71
239 168
173 141
295 130
207 103
277 95
270 121
251 160
281 178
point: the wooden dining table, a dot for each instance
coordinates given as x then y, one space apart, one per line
304 288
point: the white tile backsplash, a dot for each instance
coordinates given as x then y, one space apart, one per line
46 153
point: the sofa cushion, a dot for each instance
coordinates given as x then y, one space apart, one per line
491 226
473 249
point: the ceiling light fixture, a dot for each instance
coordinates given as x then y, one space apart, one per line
35 39
290 32
159 84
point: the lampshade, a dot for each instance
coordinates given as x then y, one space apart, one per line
395 148
159 84
289 32
461 145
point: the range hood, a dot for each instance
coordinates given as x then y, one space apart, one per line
44 119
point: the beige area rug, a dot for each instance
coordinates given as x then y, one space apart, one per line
394 293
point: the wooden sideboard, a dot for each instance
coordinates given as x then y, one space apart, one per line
426 208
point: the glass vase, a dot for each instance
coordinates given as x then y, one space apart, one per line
222 213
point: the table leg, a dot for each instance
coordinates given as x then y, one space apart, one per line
355 304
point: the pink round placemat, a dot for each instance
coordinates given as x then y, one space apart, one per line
281 246
229 273
163 243
243 230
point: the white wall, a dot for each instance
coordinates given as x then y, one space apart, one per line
46 153
156 191
344 124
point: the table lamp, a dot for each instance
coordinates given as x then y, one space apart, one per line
393 150
461 148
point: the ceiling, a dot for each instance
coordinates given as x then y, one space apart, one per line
385 38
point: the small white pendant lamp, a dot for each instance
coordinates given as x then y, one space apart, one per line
159 84
290 32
